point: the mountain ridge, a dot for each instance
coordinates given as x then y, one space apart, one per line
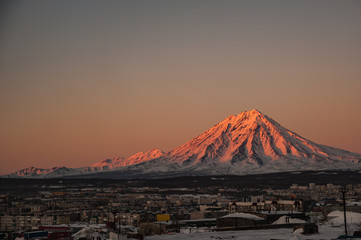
249 142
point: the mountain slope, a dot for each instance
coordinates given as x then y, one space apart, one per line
102 166
252 135
34 172
117 162
249 142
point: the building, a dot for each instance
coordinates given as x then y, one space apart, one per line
235 220
269 205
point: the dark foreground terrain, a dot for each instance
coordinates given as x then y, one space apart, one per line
259 181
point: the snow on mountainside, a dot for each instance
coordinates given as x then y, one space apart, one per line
254 137
104 165
33 171
249 142
122 162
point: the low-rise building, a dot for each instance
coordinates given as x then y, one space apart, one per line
268 205
235 220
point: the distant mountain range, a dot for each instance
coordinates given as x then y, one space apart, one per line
247 143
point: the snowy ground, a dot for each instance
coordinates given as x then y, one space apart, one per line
337 219
325 232
333 228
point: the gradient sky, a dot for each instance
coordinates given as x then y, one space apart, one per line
81 81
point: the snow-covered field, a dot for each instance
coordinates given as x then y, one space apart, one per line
336 218
325 232
331 230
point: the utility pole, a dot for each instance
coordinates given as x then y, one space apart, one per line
343 191
118 223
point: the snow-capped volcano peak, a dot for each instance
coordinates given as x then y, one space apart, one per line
252 138
222 140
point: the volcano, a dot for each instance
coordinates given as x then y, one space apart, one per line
250 142
247 143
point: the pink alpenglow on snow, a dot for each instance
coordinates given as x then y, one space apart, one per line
253 136
247 143
134 159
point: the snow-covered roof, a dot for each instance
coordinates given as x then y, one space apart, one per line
198 220
279 212
354 204
284 220
243 215
83 232
79 225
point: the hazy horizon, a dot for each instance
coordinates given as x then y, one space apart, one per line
84 82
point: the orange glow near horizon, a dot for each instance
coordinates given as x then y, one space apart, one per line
79 85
